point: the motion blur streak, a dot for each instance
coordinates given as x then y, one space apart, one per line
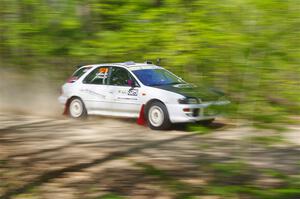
61 158
28 94
79 167
249 49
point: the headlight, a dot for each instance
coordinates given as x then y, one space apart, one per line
190 100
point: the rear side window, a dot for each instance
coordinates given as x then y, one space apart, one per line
78 74
97 76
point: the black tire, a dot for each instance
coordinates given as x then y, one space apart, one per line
81 113
206 122
159 108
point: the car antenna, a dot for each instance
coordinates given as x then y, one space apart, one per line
129 63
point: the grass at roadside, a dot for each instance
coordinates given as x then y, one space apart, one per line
231 180
110 196
266 140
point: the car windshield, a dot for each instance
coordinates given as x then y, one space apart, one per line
157 77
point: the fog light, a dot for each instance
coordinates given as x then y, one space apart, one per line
189 100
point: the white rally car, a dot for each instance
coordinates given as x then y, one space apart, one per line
136 90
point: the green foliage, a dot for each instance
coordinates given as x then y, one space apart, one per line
250 48
236 179
111 196
229 180
267 140
182 190
2 162
197 128
235 173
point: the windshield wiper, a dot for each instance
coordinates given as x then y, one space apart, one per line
173 83
156 84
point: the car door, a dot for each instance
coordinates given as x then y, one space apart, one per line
94 91
125 92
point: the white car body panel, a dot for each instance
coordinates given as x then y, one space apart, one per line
124 104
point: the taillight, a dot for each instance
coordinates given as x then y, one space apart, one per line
187 110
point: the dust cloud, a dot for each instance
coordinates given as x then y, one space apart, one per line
29 94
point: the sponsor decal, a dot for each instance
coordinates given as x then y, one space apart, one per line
102 73
133 92
126 98
103 70
122 91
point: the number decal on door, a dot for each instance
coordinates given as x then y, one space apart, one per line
133 92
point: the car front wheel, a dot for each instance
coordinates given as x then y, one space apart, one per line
158 117
77 109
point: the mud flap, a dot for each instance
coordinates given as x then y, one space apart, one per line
66 109
142 120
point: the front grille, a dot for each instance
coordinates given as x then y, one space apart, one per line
196 112
210 111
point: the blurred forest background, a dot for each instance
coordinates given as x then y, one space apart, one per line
248 48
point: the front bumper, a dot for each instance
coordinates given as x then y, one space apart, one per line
193 112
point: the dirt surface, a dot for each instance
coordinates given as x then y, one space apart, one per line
47 157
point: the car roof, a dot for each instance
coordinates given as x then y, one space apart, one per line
129 65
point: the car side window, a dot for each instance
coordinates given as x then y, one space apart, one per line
97 76
120 77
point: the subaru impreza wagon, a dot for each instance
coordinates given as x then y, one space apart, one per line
136 90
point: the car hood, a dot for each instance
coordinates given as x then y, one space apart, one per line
189 90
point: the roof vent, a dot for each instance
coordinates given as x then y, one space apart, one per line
129 63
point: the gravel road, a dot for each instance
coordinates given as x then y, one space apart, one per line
50 157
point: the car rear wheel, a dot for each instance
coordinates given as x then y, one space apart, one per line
158 117
77 109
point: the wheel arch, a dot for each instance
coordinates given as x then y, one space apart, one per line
149 102
66 110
